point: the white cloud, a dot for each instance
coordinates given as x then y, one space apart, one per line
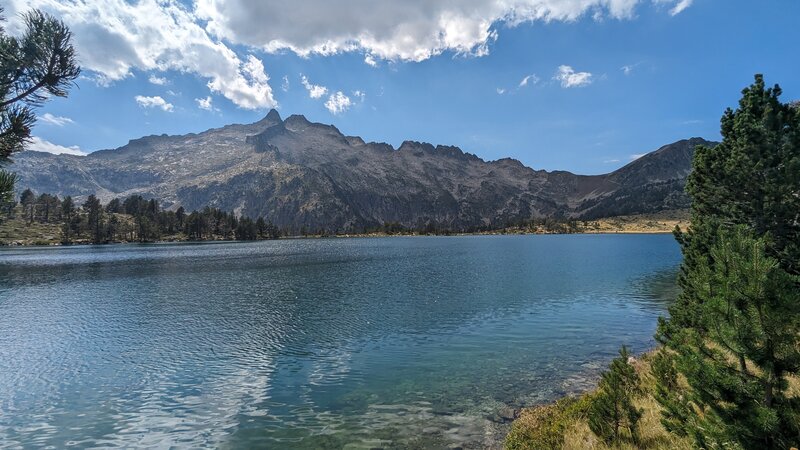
532 78
204 103
569 78
609 161
285 85
411 30
40 145
360 95
153 102
58 121
680 6
637 155
113 37
501 91
338 103
161 81
314 90
629 68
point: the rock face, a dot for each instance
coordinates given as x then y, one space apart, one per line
303 174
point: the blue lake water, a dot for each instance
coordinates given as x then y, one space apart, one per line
417 342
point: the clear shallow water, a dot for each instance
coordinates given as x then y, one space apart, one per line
354 343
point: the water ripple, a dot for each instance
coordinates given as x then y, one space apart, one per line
335 343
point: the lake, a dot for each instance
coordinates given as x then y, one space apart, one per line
403 342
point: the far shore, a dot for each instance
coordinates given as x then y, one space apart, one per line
333 236
19 233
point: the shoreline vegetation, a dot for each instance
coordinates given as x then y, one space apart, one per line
47 220
564 422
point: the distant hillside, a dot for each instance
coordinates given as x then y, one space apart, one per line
304 174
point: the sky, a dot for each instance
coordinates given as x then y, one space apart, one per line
579 85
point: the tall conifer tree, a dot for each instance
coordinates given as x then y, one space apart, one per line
734 328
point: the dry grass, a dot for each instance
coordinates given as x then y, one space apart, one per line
662 222
18 231
652 434
564 424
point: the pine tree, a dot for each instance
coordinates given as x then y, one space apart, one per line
733 328
670 394
28 201
612 410
7 181
67 212
261 227
114 206
94 218
33 67
180 216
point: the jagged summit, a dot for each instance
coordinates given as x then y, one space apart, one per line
298 120
273 116
303 174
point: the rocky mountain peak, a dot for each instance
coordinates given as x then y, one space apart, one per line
297 122
273 117
416 147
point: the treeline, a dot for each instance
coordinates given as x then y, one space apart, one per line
547 225
135 219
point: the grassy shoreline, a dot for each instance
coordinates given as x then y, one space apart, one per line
564 424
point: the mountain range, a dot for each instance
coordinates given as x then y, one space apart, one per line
303 174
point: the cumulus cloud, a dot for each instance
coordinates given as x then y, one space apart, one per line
338 103
58 121
314 90
569 78
160 81
532 79
113 37
412 30
360 95
204 103
38 144
153 102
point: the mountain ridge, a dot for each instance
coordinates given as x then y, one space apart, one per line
310 175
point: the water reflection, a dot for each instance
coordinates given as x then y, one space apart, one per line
313 343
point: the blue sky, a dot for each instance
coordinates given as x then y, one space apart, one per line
606 82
